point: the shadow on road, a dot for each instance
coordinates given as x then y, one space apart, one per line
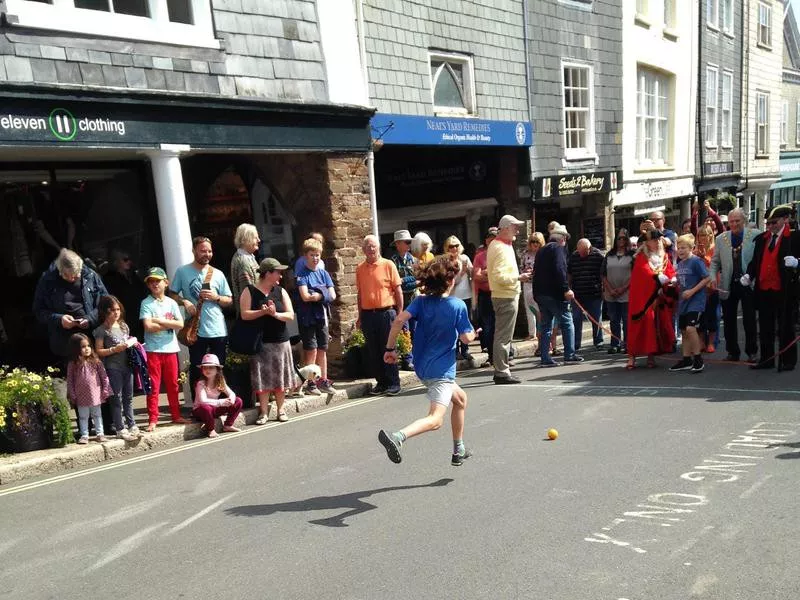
785 455
353 501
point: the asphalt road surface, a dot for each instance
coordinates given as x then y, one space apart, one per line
660 486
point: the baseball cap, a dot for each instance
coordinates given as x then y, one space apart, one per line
508 221
491 232
271 264
155 273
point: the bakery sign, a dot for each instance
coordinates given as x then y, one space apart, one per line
582 183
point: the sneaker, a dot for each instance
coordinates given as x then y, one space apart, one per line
312 389
101 439
123 434
262 418
613 350
282 417
378 390
326 387
506 379
698 365
549 363
393 390
84 440
134 431
575 358
599 346
683 364
458 459
391 445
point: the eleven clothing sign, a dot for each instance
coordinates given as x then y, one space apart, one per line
582 183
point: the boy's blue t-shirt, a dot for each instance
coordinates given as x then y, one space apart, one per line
439 323
310 313
689 273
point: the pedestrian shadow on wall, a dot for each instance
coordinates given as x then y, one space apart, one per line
353 502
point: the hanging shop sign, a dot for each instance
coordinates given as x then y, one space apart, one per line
559 186
652 191
712 169
451 131
65 121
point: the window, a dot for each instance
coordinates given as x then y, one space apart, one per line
762 123
641 8
727 110
653 92
764 25
578 117
726 16
183 22
712 13
797 124
784 123
669 14
712 88
451 82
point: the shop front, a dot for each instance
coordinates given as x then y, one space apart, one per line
719 185
787 190
637 200
581 201
136 176
448 176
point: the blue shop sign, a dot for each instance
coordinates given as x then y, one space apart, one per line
790 166
451 131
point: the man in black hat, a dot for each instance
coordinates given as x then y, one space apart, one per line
773 274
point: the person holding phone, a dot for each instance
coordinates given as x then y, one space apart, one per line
190 284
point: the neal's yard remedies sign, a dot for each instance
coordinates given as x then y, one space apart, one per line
583 183
450 131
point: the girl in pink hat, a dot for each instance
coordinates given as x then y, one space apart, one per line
213 398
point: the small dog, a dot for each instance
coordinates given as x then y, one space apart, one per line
304 374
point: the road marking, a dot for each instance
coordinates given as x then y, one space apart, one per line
640 389
196 444
129 544
120 515
199 515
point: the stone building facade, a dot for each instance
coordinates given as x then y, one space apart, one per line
576 72
452 117
134 132
718 164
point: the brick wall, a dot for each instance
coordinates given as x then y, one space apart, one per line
270 49
562 30
399 34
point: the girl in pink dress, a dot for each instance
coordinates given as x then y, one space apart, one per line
87 386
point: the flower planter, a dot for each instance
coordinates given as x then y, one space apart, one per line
26 431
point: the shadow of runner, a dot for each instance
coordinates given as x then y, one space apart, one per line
352 501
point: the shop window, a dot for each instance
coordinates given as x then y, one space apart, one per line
452 84
762 124
764 25
712 87
578 117
184 22
653 100
727 110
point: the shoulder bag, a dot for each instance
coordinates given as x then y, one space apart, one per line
245 337
188 333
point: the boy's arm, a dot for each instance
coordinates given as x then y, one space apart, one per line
390 356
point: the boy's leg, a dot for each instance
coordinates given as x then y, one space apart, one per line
457 414
431 422
322 362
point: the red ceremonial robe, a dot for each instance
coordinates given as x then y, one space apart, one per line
650 328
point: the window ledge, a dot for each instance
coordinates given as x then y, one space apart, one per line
762 156
642 20
711 146
452 112
653 168
712 27
728 34
764 46
727 146
670 33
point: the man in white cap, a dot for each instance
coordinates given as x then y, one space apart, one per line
405 261
504 281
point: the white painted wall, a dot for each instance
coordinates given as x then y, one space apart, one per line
645 42
338 34
763 72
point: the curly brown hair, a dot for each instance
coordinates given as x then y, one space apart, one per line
436 276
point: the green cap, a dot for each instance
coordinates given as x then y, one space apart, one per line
155 273
271 264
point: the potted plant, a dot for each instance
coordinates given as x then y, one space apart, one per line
32 415
356 362
237 374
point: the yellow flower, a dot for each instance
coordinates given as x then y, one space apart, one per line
24 390
36 387
13 414
12 383
51 370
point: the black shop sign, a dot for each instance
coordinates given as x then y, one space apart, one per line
559 186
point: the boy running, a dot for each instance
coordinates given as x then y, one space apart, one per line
692 278
441 321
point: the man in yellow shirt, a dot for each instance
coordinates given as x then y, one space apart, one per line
504 281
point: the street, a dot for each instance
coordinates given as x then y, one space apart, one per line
660 486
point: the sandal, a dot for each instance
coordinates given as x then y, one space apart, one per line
151 428
282 417
651 362
262 418
631 364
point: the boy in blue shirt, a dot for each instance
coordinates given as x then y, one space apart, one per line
315 287
441 321
693 279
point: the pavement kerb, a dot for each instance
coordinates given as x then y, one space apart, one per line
18 467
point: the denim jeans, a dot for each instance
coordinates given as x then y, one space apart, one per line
555 308
122 400
84 412
618 318
594 306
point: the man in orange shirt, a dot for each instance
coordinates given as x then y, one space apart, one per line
380 299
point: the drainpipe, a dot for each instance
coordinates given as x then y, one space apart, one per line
528 99
362 51
744 119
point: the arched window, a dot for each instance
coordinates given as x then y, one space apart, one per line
451 78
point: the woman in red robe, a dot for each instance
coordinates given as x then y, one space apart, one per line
651 301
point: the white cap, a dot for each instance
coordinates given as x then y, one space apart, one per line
508 221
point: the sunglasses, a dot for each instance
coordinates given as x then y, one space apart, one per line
451 246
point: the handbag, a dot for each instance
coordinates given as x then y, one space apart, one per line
245 337
188 333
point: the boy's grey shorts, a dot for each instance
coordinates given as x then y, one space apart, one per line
439 391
